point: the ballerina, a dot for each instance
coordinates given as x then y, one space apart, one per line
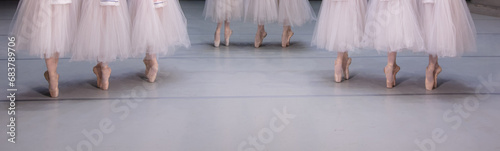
287 12
103 36
393 26
153 31
223 11
340 28
45 28
448 30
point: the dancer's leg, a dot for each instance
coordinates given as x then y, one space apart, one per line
433 70
151 63
217 35
391 70
227 32
51 74
286 36
259 37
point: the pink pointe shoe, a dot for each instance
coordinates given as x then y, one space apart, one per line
431 77
53 82
390 75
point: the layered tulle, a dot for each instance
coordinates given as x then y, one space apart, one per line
341 25
45 27
261 11
393 25
222 10
295 12
104 32
175 24
148 31
448 27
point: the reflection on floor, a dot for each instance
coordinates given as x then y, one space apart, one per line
239 97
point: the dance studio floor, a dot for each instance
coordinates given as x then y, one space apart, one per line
270 98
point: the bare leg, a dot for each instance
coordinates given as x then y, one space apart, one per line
151 63
391 70
287 35
227 32
51 74
259 37
432 72
217 35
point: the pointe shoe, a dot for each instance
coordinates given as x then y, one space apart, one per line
227 35
153 71
342 69
146 63
437 72
338 71
217 39
285 39
431 77
259 38
106 73
98 74
390 75
53 92
346 67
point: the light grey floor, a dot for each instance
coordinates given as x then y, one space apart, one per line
215 99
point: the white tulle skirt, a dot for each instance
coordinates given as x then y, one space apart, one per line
341 25
44 27
222 10
175 24
261 11
286 12
393 25
295 12
449 30
148 32
104 32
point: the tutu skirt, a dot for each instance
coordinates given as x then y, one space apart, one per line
221 10
393 25
448 27
104 32
295 12
261 11
45 27
175 24
148 32
341 25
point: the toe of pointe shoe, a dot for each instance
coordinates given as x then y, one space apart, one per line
54 93
105 86
390 85
429 86
338 78
152 75
216 44
257 44
152 79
